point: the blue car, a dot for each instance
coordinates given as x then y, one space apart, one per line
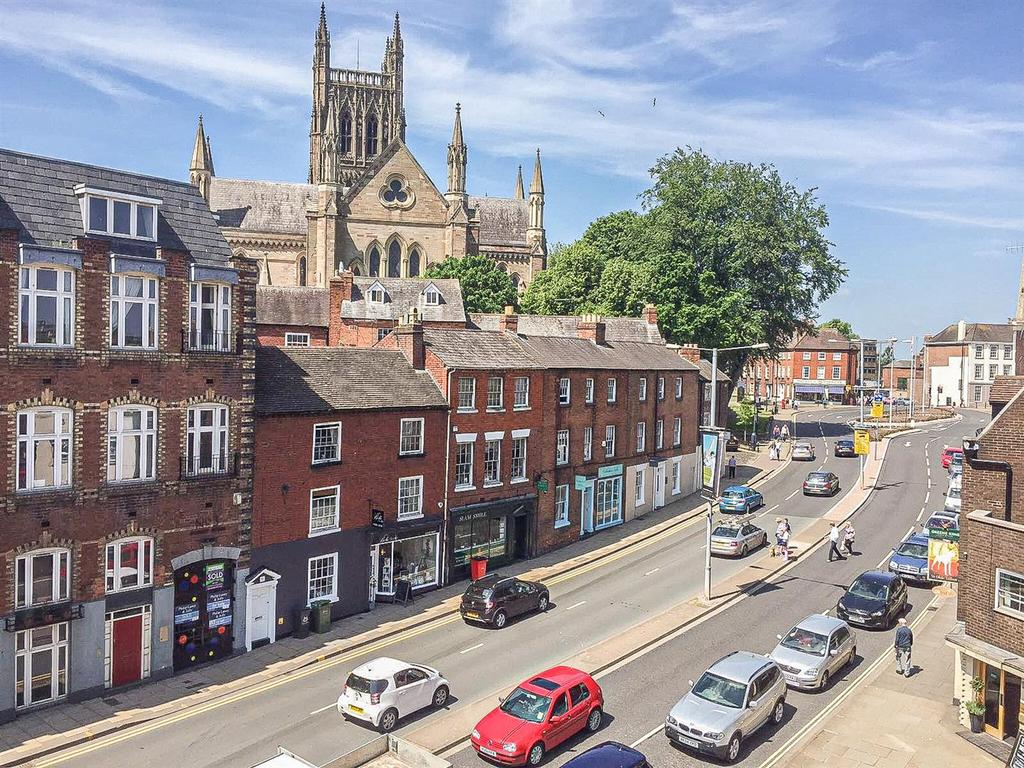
740 498
910 559
610 754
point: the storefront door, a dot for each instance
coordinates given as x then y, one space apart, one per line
413 559
587 509
659 485
1001 696
126 655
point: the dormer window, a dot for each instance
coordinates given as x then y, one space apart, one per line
377 294
121 215
431 296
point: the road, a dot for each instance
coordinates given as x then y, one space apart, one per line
589 605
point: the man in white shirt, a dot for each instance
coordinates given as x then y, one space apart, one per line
833 543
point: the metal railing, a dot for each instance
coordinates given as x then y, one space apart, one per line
207 341
206 466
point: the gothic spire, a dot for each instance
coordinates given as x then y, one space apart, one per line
209 157
537 185
200 150
457 160
397 34
323 35
457 129
519 194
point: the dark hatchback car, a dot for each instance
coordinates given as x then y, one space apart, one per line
495 599
821 484
874 600
610 754
844 449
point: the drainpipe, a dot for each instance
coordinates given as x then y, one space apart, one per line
971 457
446 520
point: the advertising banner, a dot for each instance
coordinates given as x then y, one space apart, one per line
944 553
712 454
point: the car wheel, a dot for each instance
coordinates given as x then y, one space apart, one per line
595 719
388 721
824 680
779 712
743 551
536 754
853 655
500 620
732 752
542 604
441 696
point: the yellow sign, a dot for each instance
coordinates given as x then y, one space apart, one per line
862 442
877 410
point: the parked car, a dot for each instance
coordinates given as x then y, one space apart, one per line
956 463
385 690
736 695
910 558
947 520
737 539
956 475
814 650
610 754
844 448
952 503
538 715
947 455
802 451
495 599
874 599
740 498
821 484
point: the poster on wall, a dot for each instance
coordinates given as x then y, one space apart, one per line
215 576
944 553
186 614
712 454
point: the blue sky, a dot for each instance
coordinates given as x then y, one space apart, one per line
907 117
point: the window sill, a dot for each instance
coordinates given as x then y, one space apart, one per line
411 455
495 410
49 347
324 532
561 463
329 598
331 463
122 590
461 488
564 405
465 410
50 490
521 408
562 524
518 480
129 486
403 518
134 350
493 484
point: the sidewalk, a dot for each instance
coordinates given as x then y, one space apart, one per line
56 727
896 722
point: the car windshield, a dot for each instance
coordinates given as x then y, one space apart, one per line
817 476
941 521
954 493
726 532
913 550
805 641
846 443
733 494
526 705
870 589
362 685
719 690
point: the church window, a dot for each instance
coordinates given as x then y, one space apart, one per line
371 136
346 133
394 192
414 263
375 262
302 270
395 259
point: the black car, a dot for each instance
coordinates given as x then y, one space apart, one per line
610 754
495 599
844 448
875 599
732 444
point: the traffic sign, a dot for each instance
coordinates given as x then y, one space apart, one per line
877 410
862 442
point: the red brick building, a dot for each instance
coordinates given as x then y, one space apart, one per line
127 420
349 491
989 636
817 365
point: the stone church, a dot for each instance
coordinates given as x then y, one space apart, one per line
369 206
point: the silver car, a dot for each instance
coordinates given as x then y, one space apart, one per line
802 451
814 650
737 695
737 539
952 503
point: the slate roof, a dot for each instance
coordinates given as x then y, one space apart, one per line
401 295
503 220
981 332
317 379
291 305
37 198
261 206
564 352
616 328
1004 388
706 370
459 348
823 338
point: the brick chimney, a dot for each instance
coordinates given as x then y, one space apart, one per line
690 352
409 338
340 289
592 328
650 314
510 320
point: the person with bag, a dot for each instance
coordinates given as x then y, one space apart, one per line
848 536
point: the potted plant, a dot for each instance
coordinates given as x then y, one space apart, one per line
975 708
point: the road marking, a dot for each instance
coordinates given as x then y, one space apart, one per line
794 493
906 444
471 648
576 605
927 495
655 570
324 709
920 514
647 735
769 510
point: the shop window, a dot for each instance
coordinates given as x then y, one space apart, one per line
518 459
613 386
588 443
210 317
42 577
327 443
296 339
495 393
133 312
464 466
322 581
129 564
589 391
522 392
207 443
563 391
641 436
410 497
324 510
479 537
561 505
562 447
467 394
131 444
41 665
413 559
609 441
643 389
411 441
608 502
492 462
44 448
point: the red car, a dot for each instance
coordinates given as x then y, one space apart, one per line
947 455
539 715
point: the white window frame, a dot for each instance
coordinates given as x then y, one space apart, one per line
640 492
407 511
495 396
120 305
643 389
297 339
405 446
118 435
26 653
999 605
821 372
659 434
613 389
64 300
517 468
332 595
23 597
806 355
837 355
677 477
822 355
677 431
588 443
376 294
323 428
979 352
641 436
679 387
609 441
220 443
562 447
382 332
459 448
661 388
564 391
1007 352
561 506
63 440
221 311
806 372
589 390
327 492
492 462
521 403
836 373
135 202
469 394
431 296
979 371
114 575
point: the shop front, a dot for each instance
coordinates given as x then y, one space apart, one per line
203 612
500 531
411 554
991 676
816 393
608 497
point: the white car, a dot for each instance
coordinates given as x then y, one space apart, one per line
384 690
952 503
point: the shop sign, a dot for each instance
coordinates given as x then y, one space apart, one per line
377 518
186 614
581 482
542 486
712 456
610 471
944 553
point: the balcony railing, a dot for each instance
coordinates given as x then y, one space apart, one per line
221 342
209 466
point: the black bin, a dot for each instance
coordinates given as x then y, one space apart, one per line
301 625
321 618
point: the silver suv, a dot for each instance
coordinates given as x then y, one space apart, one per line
737 695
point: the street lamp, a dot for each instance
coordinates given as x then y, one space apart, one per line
713 419
912 341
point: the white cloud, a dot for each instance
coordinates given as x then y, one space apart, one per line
882 59
952 217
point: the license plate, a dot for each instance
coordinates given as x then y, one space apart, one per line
354 708
687 742
488 752
472 615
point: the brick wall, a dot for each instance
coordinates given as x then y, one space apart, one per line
273 335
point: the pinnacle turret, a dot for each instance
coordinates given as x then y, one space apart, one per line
537 185
519 194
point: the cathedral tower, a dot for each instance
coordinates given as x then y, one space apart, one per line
200 169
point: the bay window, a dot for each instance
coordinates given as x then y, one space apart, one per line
46 306
129 564
207 444
44 448
42 577
131 443
133 312
209 312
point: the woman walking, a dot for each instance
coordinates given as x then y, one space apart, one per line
848 538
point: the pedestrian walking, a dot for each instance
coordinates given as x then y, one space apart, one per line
775 432
848 536
732 467
833 543
780 529
785 541
903 643
773 451
785 432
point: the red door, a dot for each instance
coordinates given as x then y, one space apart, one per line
126 661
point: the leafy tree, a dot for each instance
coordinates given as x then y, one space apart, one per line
568 284
842 326
485 288
886 357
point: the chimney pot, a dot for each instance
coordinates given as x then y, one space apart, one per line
650 314
409 339
509 321
591 327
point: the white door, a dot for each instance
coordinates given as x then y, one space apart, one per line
261 604
373 576
659 485
587 509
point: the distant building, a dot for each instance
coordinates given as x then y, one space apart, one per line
820 365
963 359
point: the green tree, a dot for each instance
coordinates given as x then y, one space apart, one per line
886 357
568 285
485 288
842 326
